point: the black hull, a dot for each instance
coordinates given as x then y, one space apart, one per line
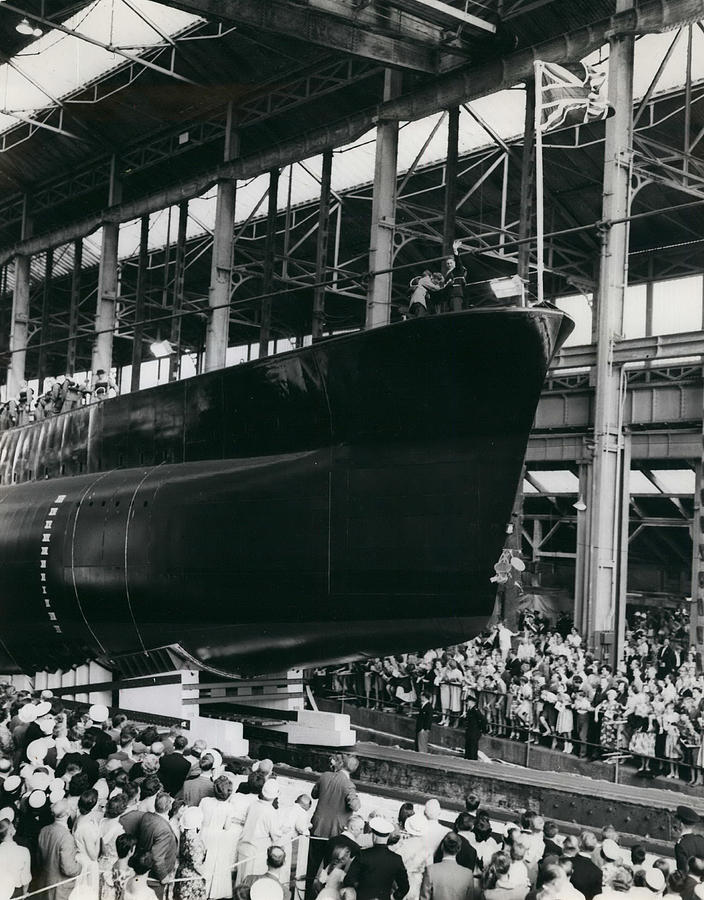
337 501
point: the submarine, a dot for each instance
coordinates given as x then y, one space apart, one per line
338 501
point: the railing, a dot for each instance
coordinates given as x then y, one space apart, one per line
532 737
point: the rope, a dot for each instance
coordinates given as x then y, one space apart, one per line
51 887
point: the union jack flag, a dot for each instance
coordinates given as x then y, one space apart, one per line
569 96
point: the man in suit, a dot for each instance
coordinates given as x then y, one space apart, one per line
378 873
475 727
348 838
202 784
467 855
695 876
551 847
586 875
447 880
424 722
337 800
174 767
691 839
57 855
155 836
667 659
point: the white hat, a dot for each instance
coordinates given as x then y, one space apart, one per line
112 765
7 813
46 695
37 799
217 757
27 713
270 789
12 783
192 818
39 781
36 751
416 825
46 723
266 888
265 766
655 879
380 826
610 850
99 713
43 708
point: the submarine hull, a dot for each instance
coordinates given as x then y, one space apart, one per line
343 500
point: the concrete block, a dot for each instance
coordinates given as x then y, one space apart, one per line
311 718
220 733
320 737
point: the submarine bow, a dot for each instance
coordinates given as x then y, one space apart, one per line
342 500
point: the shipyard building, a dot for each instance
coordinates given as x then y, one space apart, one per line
351 403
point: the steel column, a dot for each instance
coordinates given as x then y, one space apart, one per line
321 250
450 212
178 290
216 338
18 329
107 299
218 333
381 252
46 315
606 592
139 304
268 274
74 306
527 183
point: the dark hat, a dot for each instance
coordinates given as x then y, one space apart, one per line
687 815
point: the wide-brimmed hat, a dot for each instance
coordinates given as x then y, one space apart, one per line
42 709
416 825
655 879
37 799
27 713
99 713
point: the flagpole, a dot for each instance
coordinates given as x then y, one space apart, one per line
539 211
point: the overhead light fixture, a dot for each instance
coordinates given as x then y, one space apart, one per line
580 505
504 288
160 349
24 27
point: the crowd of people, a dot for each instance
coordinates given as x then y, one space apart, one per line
60 395
539 683
93 807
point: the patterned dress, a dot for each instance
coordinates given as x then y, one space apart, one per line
191 858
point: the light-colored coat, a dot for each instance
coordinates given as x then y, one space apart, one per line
337 800
57 861
447 880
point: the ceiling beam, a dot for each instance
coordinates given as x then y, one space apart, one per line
470 83
337 26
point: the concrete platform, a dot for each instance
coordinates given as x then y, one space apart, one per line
645 813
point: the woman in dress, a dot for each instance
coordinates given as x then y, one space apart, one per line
109 830
330 878
216 833
454 678
565 721
121 871
190 883
673 751
86 833
262 828
413 850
